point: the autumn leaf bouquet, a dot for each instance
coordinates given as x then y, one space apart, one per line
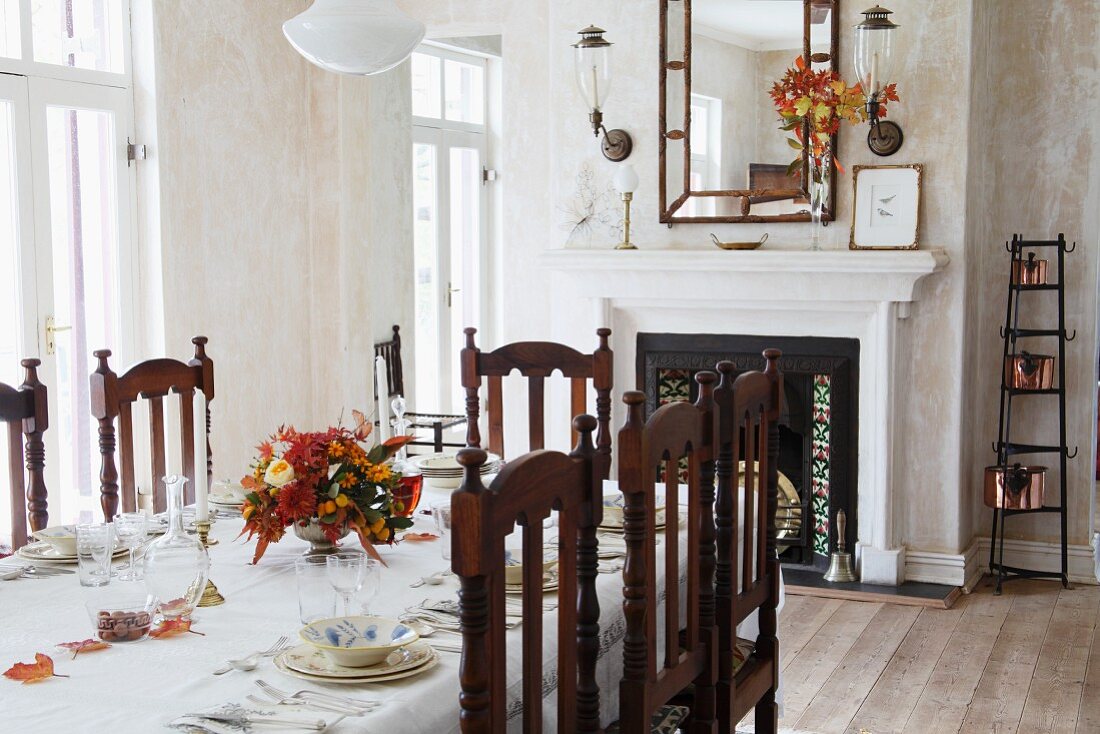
812 104
329 477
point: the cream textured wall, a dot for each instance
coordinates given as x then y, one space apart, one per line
282 224
1035 171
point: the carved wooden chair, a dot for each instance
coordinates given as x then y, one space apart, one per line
113 396
523 494
649 450
747 576
536 361
419 423
25 410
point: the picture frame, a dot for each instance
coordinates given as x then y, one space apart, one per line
886 207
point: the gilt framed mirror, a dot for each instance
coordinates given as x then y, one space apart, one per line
722 154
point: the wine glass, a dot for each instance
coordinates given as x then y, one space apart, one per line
442 515
372 583
130 529
346 572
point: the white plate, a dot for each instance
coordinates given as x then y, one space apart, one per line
44 552
308 659
549 583
281 664
447 463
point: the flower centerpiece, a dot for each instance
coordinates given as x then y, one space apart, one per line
329 480
812 104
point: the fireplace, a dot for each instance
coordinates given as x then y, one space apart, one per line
818 429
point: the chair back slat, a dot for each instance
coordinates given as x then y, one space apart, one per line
523 495
128 480
112 397
395 373
536 361
651 451
25 410
748 410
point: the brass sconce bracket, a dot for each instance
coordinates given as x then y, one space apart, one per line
617 145
885 136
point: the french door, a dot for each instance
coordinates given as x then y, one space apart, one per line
449 219
66 265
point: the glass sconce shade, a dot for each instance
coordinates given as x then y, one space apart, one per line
358 37
626 179
592 64
874 50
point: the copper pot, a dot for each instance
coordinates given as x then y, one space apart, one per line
1026 371
1030 271
1014 487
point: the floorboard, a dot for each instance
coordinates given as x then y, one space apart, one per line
1088 718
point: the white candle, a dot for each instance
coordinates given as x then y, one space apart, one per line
595 90
202 505
874 75
383 398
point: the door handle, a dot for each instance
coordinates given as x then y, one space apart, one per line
450 292
51 330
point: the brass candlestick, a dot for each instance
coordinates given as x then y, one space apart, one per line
211 597
840 562
626 244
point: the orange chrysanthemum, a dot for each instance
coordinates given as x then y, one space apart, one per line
296 501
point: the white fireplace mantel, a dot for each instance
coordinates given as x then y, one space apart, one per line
846 294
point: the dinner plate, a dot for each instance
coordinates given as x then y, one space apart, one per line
619 530
44 552
280 663
611 522
549 583
308 659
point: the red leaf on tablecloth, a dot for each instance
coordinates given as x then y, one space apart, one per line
40 669
170 627
89 645
419 537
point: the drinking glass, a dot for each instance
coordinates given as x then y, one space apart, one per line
442 515
130 529
372 583
346 570
316 599
94 545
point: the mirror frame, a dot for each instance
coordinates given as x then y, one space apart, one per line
669 209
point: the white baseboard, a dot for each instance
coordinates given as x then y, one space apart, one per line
966 569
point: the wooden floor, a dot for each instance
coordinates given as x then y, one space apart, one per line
1026 661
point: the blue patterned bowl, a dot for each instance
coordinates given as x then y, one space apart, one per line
357 642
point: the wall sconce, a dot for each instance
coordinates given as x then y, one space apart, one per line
626 183
358 37
874 60
592 63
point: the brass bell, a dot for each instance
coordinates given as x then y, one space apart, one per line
840 562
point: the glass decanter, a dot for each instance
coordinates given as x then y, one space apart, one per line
176 564
406 495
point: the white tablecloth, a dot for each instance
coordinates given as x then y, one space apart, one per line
140 687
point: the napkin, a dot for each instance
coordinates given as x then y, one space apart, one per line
196 724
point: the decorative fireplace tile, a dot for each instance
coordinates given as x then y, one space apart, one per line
673 386
819 467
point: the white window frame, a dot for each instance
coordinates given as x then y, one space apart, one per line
707 165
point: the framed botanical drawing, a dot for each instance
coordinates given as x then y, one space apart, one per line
886 207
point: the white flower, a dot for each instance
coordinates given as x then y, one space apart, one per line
279 473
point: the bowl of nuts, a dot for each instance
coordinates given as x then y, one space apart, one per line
122 619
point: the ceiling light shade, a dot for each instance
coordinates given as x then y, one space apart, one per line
354 36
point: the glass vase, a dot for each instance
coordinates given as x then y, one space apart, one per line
176 564
820 173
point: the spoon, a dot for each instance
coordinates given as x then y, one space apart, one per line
424 629
398 656
434 580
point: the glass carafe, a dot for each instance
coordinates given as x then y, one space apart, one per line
176 564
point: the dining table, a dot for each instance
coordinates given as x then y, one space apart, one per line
147 685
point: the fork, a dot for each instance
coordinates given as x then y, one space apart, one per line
327 708
324 698
275 649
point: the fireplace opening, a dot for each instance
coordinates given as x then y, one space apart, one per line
818 428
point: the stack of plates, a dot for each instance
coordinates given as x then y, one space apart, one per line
443 470
44 552
309 663
225 502
549 583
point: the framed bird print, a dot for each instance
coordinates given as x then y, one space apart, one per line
886 209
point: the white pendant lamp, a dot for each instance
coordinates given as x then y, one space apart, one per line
354 36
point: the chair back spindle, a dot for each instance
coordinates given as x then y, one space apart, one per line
25 410
113 397
523 495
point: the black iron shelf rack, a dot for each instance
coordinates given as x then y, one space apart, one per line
1005 447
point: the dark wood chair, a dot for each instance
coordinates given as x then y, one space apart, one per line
419 423
648 451
536 361
748 411
112 396
25 410
523 494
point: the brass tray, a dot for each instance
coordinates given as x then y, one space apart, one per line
738 245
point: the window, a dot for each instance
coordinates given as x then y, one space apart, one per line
66 196
706 154
449 216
